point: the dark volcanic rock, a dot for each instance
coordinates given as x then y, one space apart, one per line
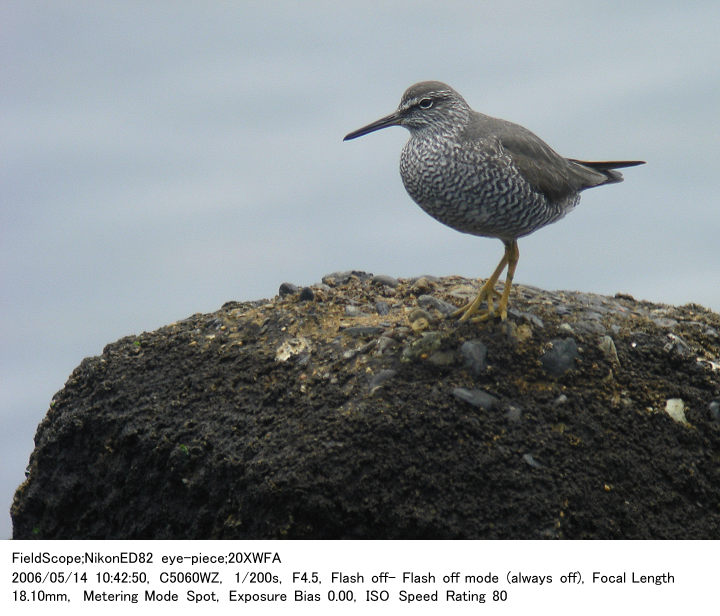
289 419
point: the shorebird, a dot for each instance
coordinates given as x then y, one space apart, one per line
485 176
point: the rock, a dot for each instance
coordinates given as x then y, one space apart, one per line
528 316
626 296
677 346
475 354
267 420
291 347
464 292
422 285
287 288
428 301
560 357
590 326
379 379
419 313
442 358
384 343
307 294
382 308
714 408
476 397
513 413
363 331
531 461
388 281
353 311
419 325
665 323
322 287
607 346
338 278
522 332
421 348
675 407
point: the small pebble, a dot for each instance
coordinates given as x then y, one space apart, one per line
321 286
400 333
384 343
388 281
287 288
379 379
360 331
677 346
422 285
523 332
475 354
625 296
513 413
306 294
419 313
292 347
590 326
476 397
560 400
421 348
442 358
353 311
607 346
560 357
675 407
528 458
419 325
336 278
428 301
463 292
714 408
528 316
382 308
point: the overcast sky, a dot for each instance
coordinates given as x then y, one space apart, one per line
162 158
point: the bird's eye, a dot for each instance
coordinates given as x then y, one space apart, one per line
425 103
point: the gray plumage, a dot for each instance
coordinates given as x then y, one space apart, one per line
482 175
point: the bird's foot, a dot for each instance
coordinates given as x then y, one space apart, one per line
470 311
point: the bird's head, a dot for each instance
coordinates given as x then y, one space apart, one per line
426 106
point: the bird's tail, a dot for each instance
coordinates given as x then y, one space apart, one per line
607 168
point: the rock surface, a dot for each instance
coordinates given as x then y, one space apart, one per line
355 409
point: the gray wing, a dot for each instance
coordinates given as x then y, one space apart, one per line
549 173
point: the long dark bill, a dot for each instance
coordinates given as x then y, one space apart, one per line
390 120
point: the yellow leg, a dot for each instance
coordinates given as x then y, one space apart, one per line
487 291
513 254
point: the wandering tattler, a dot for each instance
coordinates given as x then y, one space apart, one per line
485 176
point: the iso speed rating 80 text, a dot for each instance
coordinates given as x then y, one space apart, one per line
234 577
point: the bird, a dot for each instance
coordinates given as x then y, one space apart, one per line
485 176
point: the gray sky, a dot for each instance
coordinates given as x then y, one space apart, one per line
159 159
